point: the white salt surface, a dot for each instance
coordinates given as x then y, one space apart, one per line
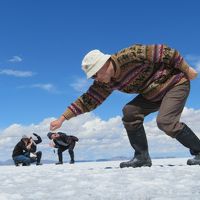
91 181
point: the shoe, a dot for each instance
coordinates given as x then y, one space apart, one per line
142 160
59 163
17 164
71 162
194 161
26 164
38 163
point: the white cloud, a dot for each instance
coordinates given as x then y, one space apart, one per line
16 73
99 138
15 59
81 84
194 61
48 86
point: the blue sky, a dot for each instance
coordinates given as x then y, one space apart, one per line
42 44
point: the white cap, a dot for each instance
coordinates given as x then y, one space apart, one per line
93 62
25 137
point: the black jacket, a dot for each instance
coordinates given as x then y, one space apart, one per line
64 140
19 149
33 148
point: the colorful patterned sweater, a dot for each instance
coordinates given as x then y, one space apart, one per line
149 70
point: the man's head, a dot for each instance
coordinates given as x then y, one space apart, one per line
93 62
52 135
25 138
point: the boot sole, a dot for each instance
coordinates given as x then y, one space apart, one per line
134 166
192 163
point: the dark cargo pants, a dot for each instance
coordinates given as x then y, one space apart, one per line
170 109
70 148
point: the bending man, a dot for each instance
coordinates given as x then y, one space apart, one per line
161 78
63 142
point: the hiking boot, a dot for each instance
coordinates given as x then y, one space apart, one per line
194 161
59 163
142 160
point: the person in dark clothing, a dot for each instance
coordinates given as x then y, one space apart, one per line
63 142
21 151
33 150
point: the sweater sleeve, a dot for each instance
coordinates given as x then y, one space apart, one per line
167 55
90 100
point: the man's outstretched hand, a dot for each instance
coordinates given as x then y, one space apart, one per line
57 123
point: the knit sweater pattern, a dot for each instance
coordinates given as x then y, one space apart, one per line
149 70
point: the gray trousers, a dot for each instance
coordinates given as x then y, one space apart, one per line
170 109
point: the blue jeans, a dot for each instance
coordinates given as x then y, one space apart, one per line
22 159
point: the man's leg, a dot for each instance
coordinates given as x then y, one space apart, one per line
22 159
38 158
29 155
60 157
71 152
168 120
133 117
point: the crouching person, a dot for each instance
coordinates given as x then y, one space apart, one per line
21 152
63 142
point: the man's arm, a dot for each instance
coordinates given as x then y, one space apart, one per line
39 139
54 144
96 94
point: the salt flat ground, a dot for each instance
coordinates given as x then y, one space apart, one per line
101 180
